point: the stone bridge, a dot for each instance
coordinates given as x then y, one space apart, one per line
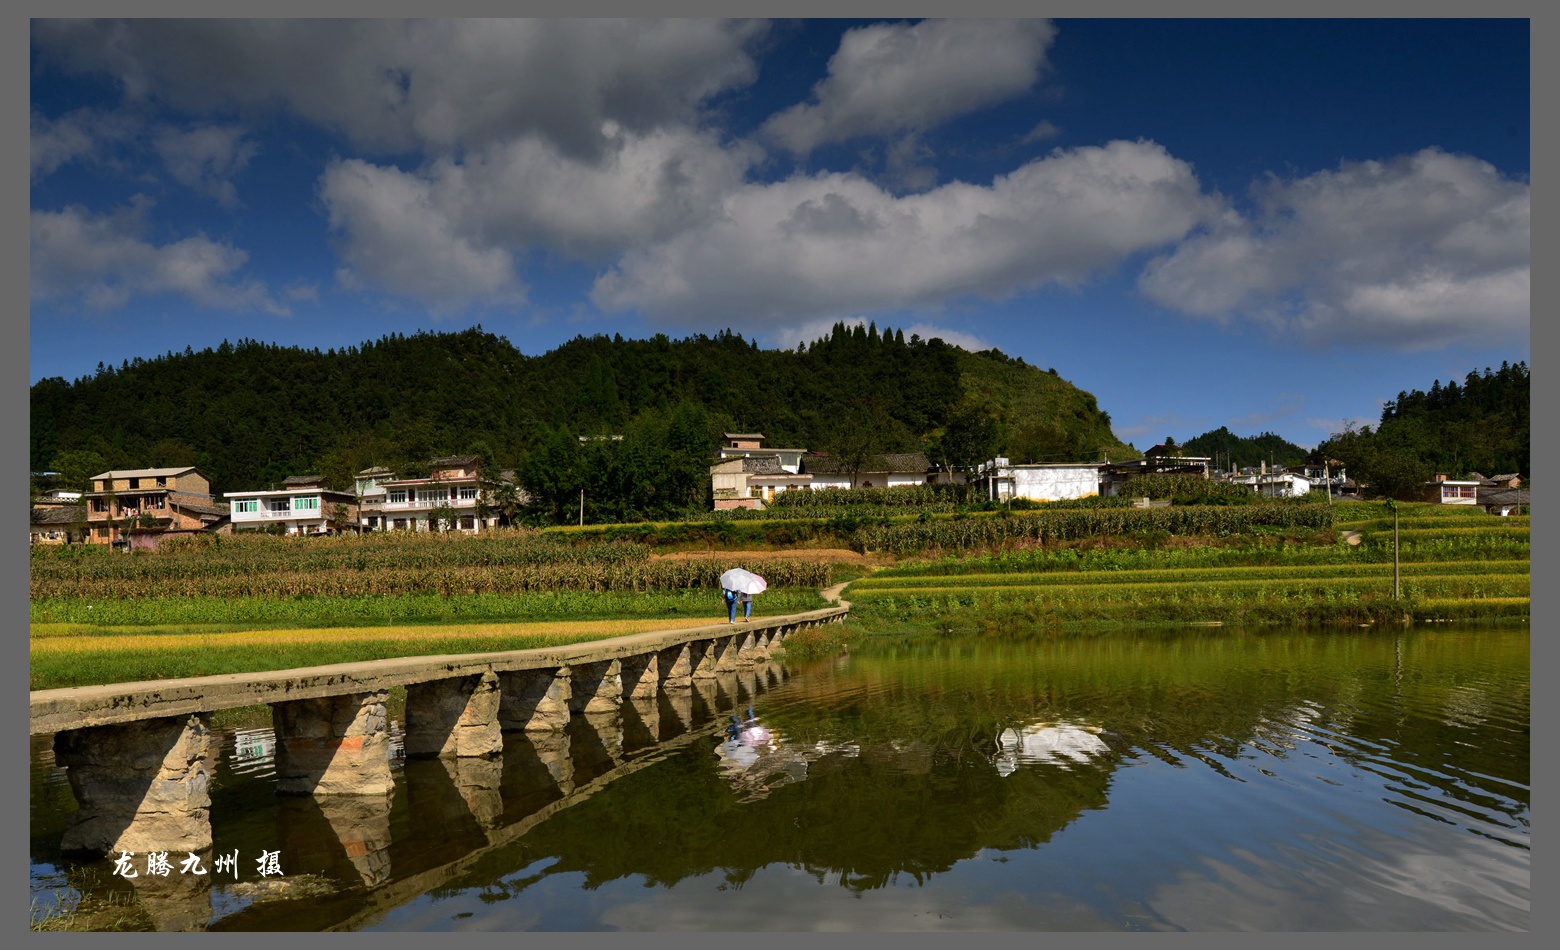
136 754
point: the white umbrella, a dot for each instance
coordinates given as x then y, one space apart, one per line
743 582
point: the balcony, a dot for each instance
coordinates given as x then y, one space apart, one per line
458 504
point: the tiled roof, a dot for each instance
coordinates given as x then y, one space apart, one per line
1505 496
450 460
895 462
58 514
303 481
763 465
376 470
218 510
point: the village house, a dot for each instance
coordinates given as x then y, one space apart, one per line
1451 491
748 482
303 505
454 486
889 470
370 489
1001 480
57 524
1163 459
1274 484
135 507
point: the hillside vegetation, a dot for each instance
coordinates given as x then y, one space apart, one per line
250 414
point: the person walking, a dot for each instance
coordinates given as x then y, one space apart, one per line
747 605
731 604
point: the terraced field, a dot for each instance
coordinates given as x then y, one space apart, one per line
1454 565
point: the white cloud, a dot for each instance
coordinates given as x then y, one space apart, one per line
81 135
102 261
204 158
1416 252
894 77
397 232
432 85
813 247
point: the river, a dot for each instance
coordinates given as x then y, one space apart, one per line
1201 780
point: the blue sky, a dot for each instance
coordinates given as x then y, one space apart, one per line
1268 225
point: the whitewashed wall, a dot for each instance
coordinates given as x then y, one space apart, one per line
1055 483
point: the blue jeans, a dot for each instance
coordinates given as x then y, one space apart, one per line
731 608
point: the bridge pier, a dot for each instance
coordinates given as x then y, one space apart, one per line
454 717
535 700
596 689
140 786
703 656
676 667
641 675
726 650
333 745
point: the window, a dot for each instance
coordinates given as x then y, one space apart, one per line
311 503
468 492
397 497
246 506
468 523
162 482
100 504
135 483
278 505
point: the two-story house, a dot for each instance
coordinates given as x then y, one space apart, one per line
148 502
303 505
454 489
370 488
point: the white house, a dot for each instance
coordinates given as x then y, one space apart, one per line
877 471
1451 491
454 486
303 505
1054 481
1275 484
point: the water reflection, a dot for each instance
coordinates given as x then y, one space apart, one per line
1188 781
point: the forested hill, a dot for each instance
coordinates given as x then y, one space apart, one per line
1230 450
1480 426
250 414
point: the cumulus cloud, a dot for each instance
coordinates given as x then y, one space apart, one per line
447 233
894 77
204 158
81 135
398 232
1419 251
103 261
811 247
432 85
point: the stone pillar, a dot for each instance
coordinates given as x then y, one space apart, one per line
676 665
454 717
761 645
596 688
641 675
701 653
334 745
745 647
534 700
726 649
140 786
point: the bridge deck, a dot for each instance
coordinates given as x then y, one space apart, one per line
79 707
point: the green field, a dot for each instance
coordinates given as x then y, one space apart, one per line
1453 566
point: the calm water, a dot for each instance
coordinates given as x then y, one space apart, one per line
1187 781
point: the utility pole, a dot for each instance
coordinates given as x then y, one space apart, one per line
582 507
